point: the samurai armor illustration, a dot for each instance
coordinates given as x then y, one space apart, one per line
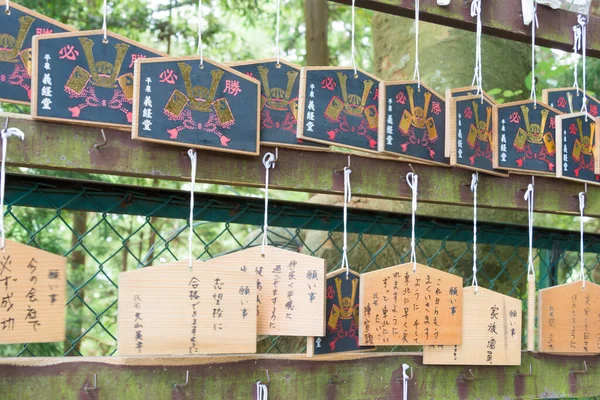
334 109
176 103
224 113
126 83
78 80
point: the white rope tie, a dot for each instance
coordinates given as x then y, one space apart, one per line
581 19
7 10
576 48
200 50
262 391
268 162
105 11
353 47
417 74
534 26
474 182
529 198
413 182
5 135
405 367
194 162
277 31
581 264
477 77
347 199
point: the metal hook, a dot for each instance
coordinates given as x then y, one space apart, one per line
6 124
519 373
411 168
467 378
95 387
338 379
583 371
187 380
269 159
401 378
339 171
104 143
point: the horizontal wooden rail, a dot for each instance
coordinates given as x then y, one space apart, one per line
500 18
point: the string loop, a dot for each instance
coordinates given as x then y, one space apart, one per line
194 162
413 182
529 198
477 76
353 47
277 31
6 133
7 9
582 21
405 367
534 26
104 12
347 199
581 263
417 73
262 391
576 48
200 50
474 182
268 162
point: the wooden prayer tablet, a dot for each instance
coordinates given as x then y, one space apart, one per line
570 100
17 28
577 141
32 287
569 319
278 102
524 138
412 122
77 78
458 92
177 101
170 310
342 309
491 332
337 108
402 308
290 286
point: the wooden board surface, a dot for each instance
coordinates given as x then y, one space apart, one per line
470 133
279 87
171 310
32 288
457 92
528 132
569 319
491 332
290 286
339 109
77 78
412 122
400 307
570 100
341 312
17 29
178 102
578 144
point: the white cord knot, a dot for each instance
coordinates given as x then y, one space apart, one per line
5 134
534 26
405 368
268 162
262 391
413 182
347 199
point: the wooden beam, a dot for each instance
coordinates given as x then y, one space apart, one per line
499 18
69 147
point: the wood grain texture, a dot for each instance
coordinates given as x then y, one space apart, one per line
400 307
290 293
569 319
169 309
491 332
32 288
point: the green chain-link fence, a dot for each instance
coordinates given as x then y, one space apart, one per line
104 229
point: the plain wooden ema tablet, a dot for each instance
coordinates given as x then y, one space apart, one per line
457 92
578 147
78 78
183 102
470 133
290 286
170 310
570 100
337 107
17 27
569 319
412 123
491 332
32 287
402 308
341 312
279 86
524 138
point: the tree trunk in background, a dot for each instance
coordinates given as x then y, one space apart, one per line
317 21
77 313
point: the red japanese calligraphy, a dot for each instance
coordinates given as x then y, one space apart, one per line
168 76
515 117
436 108
135 57
232 87
401 98
468 113
561 102
328 83
69 52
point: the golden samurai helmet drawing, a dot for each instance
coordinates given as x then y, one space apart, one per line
345 310
584 146
11 51
480 133
353 105
201 99
278 99
101 74
534 134
418 118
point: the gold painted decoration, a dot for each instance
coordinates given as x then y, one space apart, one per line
579 147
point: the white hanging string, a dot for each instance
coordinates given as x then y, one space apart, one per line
405 367
353 48
529 198
104 11
7 10
534 26
200 50
417 74
194 163
413 182
576 48
477 77
582 20
474 182
581 264
347 199
277 31
262 391
6 133
268 162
